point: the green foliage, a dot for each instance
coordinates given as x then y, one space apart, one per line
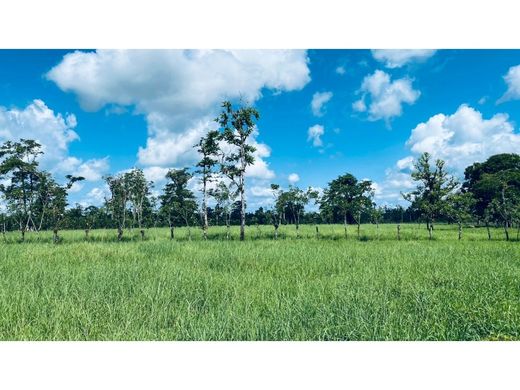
346 196
486 180
434 186
178 201
237 125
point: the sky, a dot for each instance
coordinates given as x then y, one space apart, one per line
322 112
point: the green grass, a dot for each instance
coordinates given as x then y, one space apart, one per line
329 288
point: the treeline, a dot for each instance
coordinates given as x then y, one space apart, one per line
34 201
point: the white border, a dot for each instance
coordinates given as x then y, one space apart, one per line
259 365
259 24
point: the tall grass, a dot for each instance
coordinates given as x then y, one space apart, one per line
325 288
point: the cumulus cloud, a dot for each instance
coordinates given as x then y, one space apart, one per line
314 134
464 137
512 79
393 58
386 97
460 139
95 197
397 180
91 170
179 91
293 178
54 132
319 99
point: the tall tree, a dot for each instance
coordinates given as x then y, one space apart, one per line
208 148
178 202
138 195
117 204
237 126
345 196
434 186
460 208
19 169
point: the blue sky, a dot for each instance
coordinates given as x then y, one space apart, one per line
373 112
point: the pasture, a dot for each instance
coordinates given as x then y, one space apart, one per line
292 288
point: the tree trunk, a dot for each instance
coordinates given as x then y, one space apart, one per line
297 228
205 207
23 234
358 225
242 209
55 237
430 231
460 230
345 224
275 232
172 235
398 232
317 232
506 231
86 233
488 231
142 234
227 230
119 234
377 230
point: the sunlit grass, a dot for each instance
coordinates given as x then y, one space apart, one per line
307 288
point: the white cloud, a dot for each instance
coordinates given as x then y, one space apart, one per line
54 132
293 178
155 173
314 134
95 197
359 105
341 70
386 96
263 192
319 99
464 137
91 170
405 163
38 122
179 91
459 139
512 79
393 58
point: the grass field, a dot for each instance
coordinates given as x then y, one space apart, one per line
307 288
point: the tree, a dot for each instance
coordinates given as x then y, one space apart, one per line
434 186
237 126
138 195
56 200
377 214
346 196
485 179
208 148
504 207
225 199
19 168
178 201
117 204
295 200
460 208
276 214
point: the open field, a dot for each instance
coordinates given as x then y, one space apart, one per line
330 288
